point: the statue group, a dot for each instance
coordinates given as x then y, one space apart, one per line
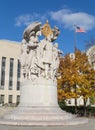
40 57
38 92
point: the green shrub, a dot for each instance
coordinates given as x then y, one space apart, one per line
90 111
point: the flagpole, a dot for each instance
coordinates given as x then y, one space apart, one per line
74 37
75 86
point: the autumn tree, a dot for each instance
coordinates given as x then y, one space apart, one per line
77 77
65 82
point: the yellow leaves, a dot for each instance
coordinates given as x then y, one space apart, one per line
76 72
86 91
63 94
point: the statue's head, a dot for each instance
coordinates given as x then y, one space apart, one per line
31 30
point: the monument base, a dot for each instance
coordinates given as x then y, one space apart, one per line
41 116
39 106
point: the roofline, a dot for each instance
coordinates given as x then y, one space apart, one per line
4 40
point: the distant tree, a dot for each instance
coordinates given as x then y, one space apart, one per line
90 43
77 78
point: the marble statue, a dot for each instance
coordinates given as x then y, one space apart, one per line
39 58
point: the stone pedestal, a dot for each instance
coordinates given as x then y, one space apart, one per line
42 92
38 106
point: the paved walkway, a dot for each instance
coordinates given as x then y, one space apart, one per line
89 126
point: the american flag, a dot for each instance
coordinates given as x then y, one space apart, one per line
79 29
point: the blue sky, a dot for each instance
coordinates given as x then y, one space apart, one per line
16 15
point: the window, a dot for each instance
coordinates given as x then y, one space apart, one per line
18 99
69 101
18 85
18 69
18 75
10 98
3 72
2 98
11 74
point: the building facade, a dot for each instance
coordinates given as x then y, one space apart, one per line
91 55
9 72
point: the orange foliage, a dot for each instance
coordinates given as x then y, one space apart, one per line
76 74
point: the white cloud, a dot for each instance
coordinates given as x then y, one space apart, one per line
68 18
29 18
64 17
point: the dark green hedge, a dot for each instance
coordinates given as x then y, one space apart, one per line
89 111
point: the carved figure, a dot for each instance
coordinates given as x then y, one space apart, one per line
39 58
